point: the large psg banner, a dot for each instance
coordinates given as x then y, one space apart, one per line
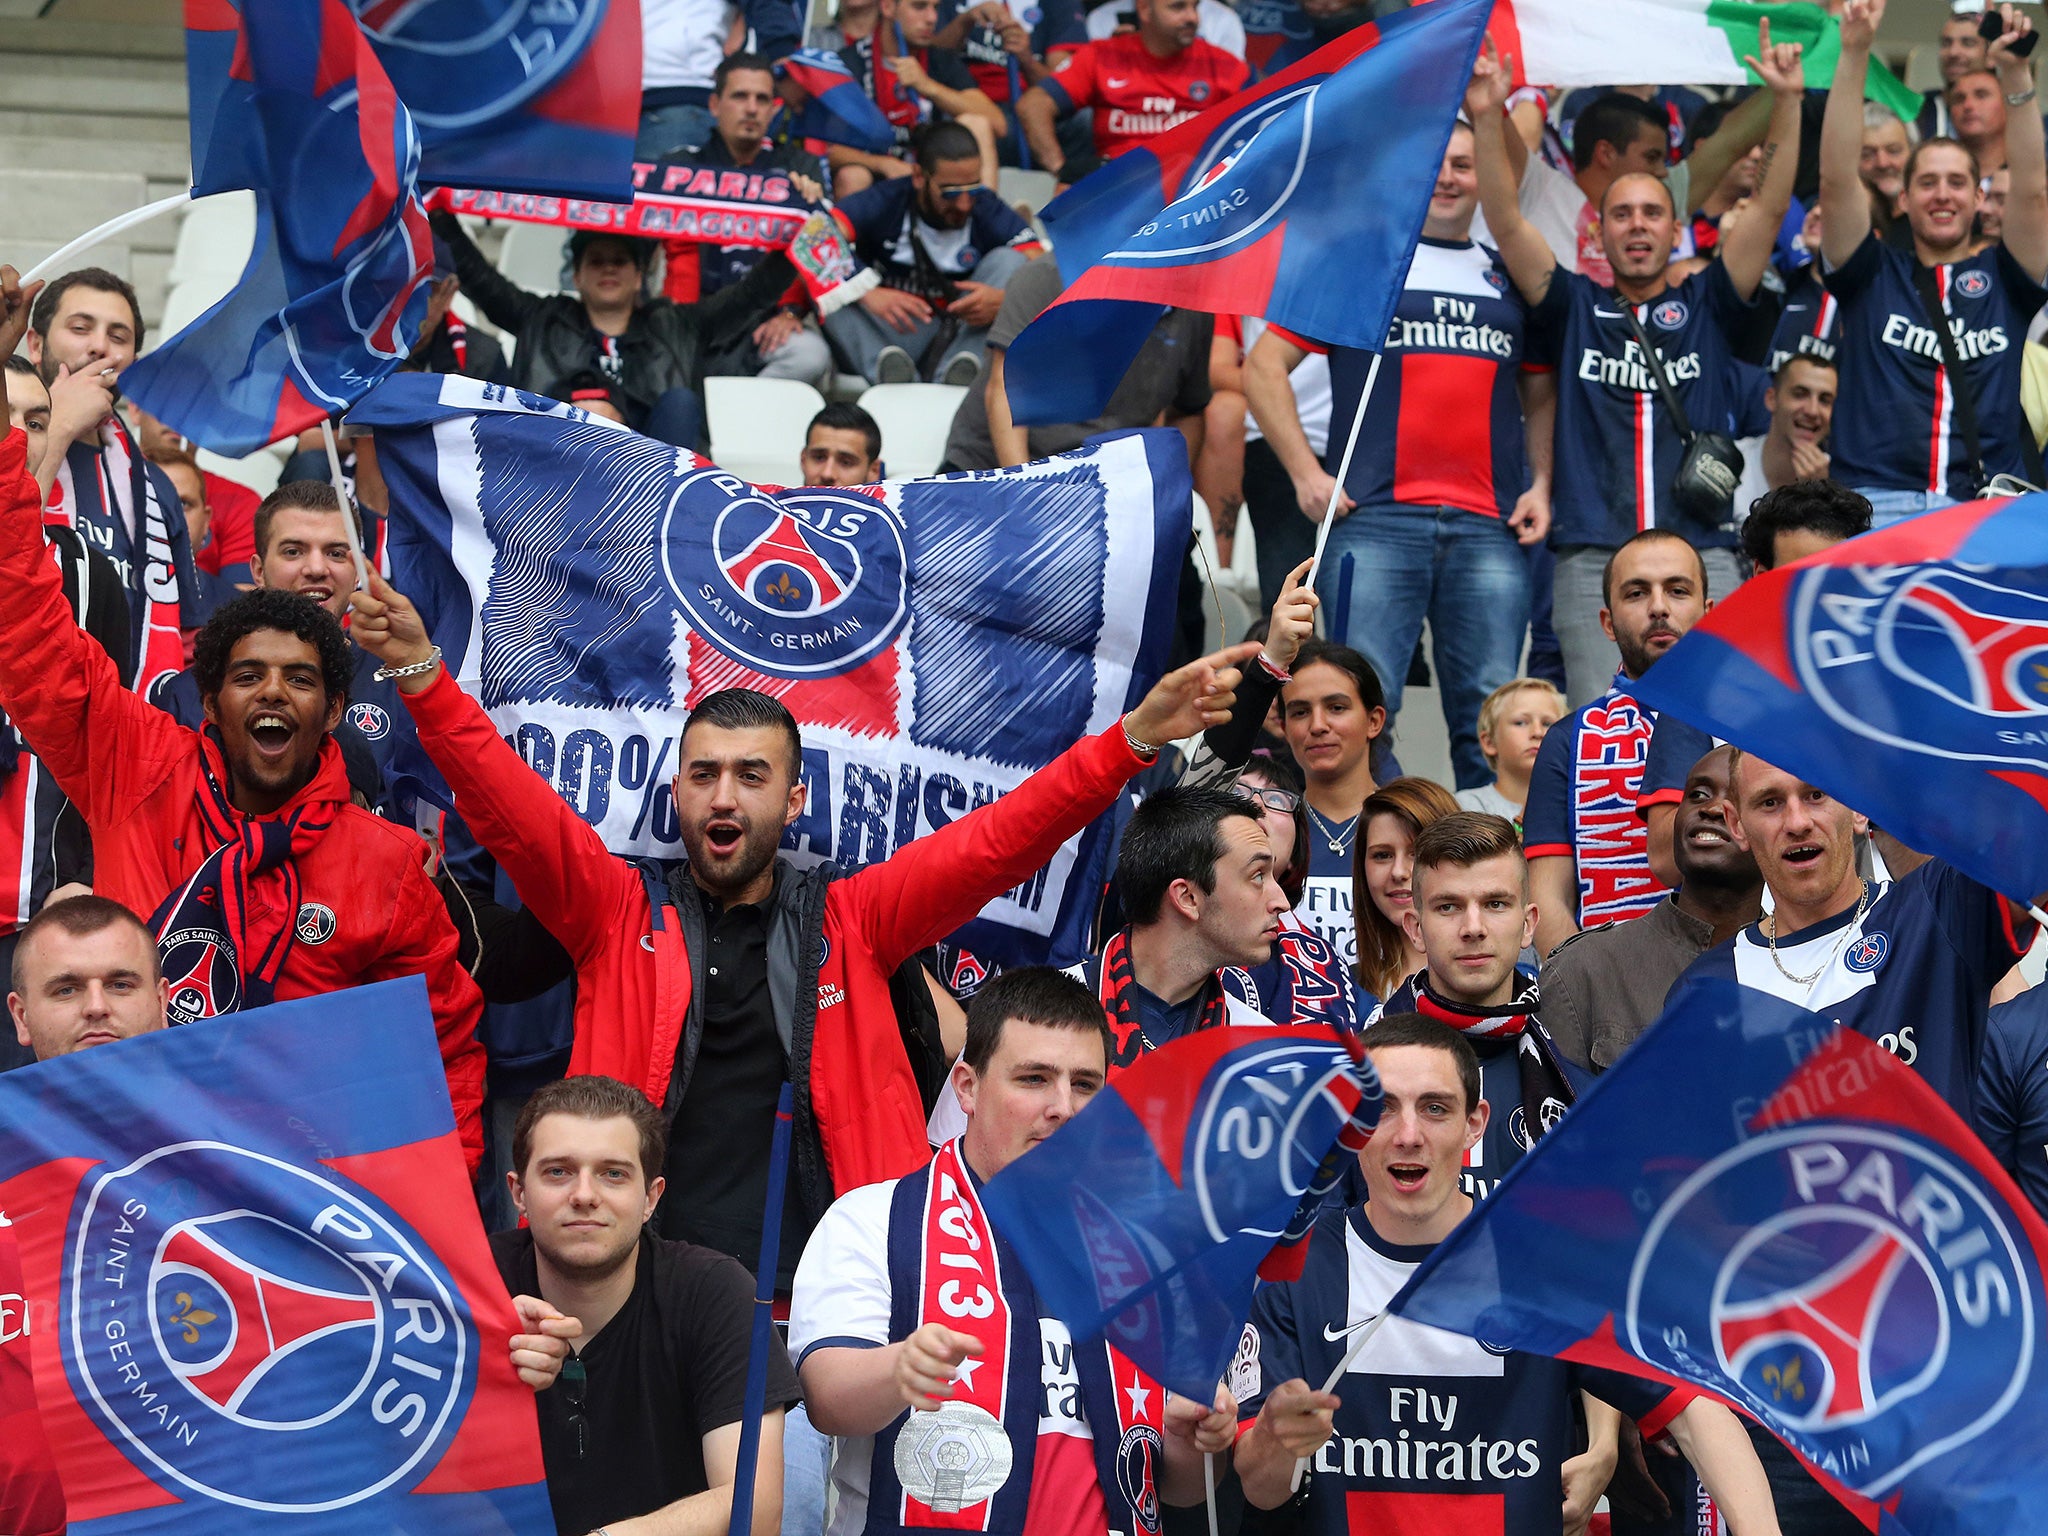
1905 673
259 1295
1804 1228
936 640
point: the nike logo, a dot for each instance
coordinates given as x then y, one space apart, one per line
1115 85
1605 314
1333 1335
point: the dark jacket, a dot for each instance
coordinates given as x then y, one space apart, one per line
663 349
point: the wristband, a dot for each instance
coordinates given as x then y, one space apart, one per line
2022 98
1138 747
1274 668
385 674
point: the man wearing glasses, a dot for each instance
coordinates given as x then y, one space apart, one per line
645 1418
943 245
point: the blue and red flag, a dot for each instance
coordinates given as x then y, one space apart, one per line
1905 673
1147 1219
835 109
1299 201
1805 1230
270 1303
333 294
524 98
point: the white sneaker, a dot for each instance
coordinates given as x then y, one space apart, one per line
893 365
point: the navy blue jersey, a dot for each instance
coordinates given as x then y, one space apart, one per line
1809 325
1674 747
886 233
2012 1092
1436 1433
1582 805
1915 975
1616 445
1301 982
1456 340
1896 426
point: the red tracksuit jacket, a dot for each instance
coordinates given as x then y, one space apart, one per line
133 772
633 977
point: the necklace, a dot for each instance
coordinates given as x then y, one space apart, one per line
1337 834
1862 906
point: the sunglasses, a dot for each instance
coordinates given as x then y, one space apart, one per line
1272 799
947 194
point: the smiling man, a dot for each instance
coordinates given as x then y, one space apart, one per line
1428 1431
264 881
1604 987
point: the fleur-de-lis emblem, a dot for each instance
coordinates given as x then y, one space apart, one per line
190 1318
783 591
1785 1383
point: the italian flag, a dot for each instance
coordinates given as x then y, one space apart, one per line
1671 42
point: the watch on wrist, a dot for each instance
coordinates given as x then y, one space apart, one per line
2021 98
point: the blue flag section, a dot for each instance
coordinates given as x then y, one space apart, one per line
1146 1219
1254 208
1905 673
835 109
261 1297
936 640
1805 1230
333 294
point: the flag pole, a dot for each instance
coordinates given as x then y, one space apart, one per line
1366 1330
764 1322
348 516
114 226
1209 1488
1372 372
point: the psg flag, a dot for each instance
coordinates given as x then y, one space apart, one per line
835 109
333 294
1299 201
1804 1229
936 640
1904 672
262 1298
1148 1218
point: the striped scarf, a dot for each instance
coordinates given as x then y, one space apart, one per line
1111 975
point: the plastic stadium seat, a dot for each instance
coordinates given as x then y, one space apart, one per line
1034 189
757 426
1226 615
915 420
532 256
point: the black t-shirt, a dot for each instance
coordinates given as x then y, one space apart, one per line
664 1373
723 1130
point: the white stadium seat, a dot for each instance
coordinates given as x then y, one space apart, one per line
757 426
915 420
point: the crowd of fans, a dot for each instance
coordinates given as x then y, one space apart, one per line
1651 343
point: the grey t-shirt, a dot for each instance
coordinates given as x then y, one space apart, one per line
1171 374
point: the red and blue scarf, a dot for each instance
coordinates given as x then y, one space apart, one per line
1111 975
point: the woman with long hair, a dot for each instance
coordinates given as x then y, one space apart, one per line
1382 879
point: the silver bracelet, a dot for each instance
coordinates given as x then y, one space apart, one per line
2022 98
385 674
1137 746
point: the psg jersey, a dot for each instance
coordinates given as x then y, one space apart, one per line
1810 324
1325 905
1896 426
1915 974
1456 340
1437 1435
1617 447
1582 805
2012 1092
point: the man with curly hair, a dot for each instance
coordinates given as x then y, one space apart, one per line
264 881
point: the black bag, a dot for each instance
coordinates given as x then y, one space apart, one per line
1711 467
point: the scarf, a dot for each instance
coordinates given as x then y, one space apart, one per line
968 1466
1546 1090
223 937
1111 975
106 492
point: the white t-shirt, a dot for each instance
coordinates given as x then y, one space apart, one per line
682 42
1216 24
1311 381
841 1299
1489 799
1753 483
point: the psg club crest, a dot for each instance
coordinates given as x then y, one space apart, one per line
1867 953
806 585
198 1328
370 721
461 63
315 923
1857 1263
1973 285
1668 316
1973 650
205 982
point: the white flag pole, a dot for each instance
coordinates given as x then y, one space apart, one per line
57 259
1343 470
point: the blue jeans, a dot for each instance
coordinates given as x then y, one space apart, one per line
677 419
861 337
806 1473
663 129
1888 507
1387 568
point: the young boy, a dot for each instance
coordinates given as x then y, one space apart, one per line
1511 726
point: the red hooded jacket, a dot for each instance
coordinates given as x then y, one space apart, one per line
134 772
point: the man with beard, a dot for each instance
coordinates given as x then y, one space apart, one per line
84 329
264 881
642 1430
1604 987
1618 445
944 244
711 983
1589 856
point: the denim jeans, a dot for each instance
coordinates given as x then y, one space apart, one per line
1590 658
806 1473
677 418
1888 507
663 129
1387 568
861 337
